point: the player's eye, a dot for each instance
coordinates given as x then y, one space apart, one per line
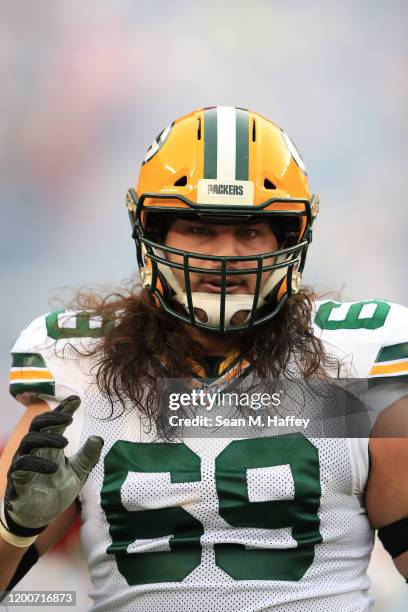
247 233
200 230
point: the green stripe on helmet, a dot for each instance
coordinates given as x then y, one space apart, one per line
242 145
210 143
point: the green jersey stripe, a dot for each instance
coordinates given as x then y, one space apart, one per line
242 145
27 360
45 388
381 380
210 143
393 352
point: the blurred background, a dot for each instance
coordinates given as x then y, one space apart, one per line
86 86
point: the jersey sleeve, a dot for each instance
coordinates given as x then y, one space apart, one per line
391 361
48 363
42 367
370 339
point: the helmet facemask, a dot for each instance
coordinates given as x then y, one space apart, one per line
220 312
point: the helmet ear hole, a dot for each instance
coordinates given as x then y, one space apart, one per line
181 182
268 184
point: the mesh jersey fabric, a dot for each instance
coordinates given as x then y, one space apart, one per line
370 338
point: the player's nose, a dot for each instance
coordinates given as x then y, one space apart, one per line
226 244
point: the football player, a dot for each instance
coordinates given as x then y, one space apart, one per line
178 519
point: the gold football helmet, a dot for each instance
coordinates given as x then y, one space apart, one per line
223 165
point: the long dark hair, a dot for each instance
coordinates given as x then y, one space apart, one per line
144 345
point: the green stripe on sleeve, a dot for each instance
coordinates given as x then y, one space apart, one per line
378 381
395 351
242 145
210 144
28 360
40 388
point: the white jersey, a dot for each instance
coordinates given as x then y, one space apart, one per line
275 522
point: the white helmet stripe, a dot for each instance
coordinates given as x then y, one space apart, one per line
226 142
